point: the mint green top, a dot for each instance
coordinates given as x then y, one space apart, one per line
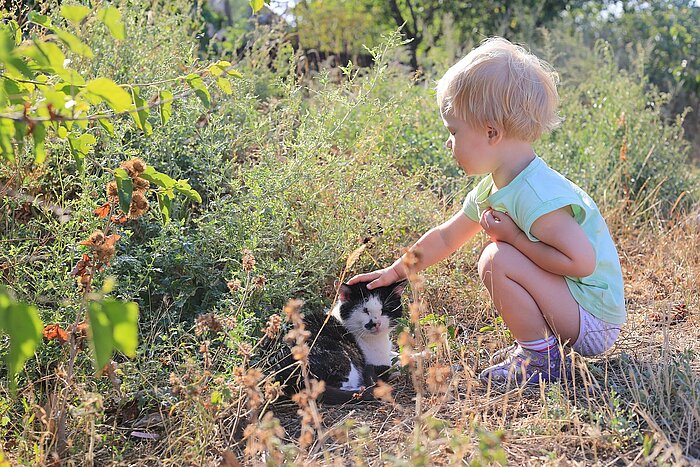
538 190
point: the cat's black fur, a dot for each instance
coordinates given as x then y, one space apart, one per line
351 350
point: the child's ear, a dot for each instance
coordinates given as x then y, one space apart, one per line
494 134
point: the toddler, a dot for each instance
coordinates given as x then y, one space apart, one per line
551 268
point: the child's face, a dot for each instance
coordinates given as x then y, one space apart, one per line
470 146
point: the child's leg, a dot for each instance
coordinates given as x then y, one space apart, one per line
537 307
534 303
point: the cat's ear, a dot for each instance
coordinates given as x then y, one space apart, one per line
344 292
398 288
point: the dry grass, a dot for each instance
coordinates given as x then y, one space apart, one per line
638 404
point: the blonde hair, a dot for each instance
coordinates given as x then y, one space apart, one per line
502 85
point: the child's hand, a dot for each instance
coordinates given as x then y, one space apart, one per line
378 278
499 226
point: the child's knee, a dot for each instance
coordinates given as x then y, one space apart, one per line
492 258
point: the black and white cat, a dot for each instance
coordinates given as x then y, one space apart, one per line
354 347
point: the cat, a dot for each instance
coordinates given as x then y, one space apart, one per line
352 350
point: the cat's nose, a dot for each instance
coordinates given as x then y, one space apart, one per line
371 325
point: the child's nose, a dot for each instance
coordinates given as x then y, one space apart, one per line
448 143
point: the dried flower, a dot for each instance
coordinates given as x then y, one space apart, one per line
292 310
251 378
273 390
298 334
245 349
274 323
300 352
233 285
406 357
259 282
436 334
139 166
405 339
248 260
95 239
104 252
207 322
141 184
317 388
437 378
112 191
383 391
414 311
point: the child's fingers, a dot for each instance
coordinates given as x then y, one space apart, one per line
379 282
366 277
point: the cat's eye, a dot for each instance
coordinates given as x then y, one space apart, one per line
365 310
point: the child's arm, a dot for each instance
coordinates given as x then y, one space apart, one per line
563 248
435 245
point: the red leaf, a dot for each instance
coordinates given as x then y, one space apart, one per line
110 240
121 219
104 210
82 266
54 331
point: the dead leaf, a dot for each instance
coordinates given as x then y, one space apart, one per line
104 210
55 332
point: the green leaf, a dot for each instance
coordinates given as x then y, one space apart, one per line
125 187
166 108
107 125
256 5
112 18
41 20
182 186
21 322
80 147
200 89
124 318
113 325
100 335
74 44
158 178
74 13
224 85
216 69
165 204
39 135
141 116
234 73
11 91
7 131
46 54
114 95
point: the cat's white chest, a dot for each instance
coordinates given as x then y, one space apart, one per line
377 349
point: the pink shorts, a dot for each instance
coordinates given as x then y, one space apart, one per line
595 336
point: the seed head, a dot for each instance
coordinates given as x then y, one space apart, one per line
234 285
274 323
139 166
112 191
95 239
259 282
104 252
248 260
141 184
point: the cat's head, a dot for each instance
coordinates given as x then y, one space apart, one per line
367 312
